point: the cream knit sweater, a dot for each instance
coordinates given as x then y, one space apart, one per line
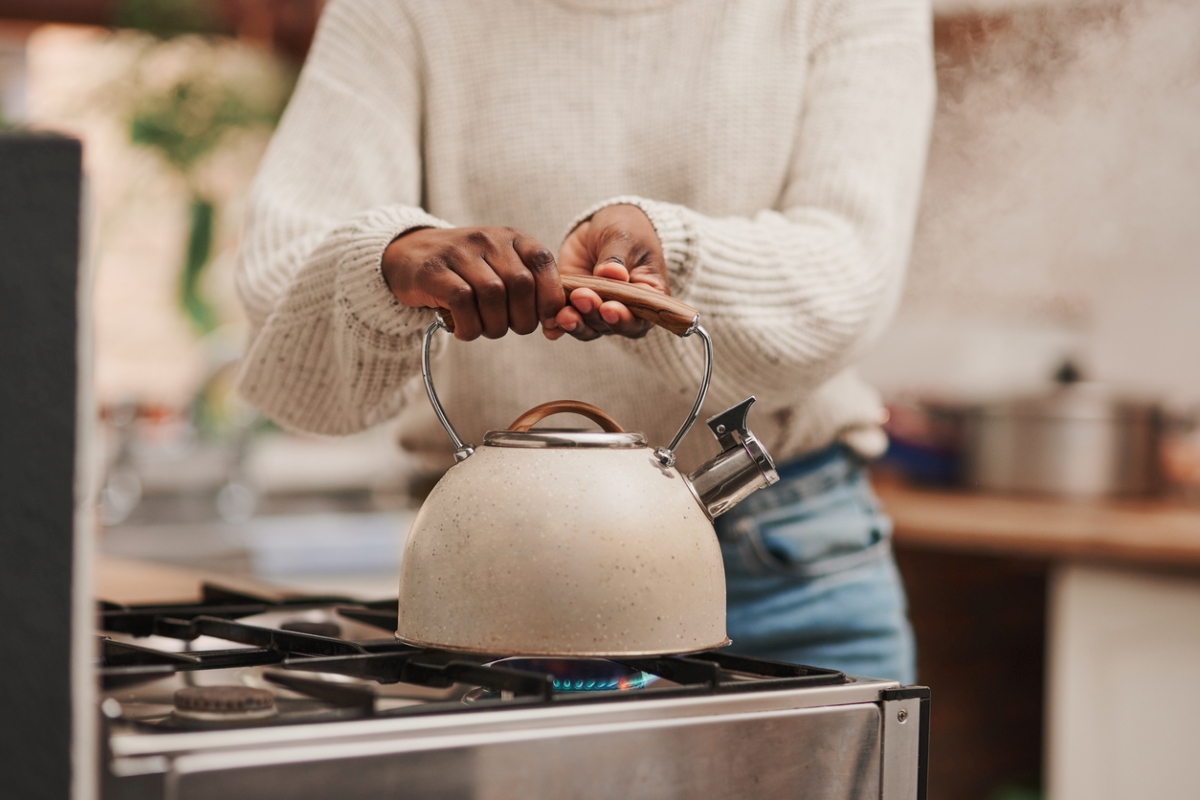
776 145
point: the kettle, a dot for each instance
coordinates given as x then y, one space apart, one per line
578 542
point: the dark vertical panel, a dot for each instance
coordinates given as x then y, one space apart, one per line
980 627
39 250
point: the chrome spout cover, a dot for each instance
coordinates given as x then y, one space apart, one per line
743 467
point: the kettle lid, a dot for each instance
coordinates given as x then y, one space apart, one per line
543 438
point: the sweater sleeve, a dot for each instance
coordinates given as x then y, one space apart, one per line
793 294
330 346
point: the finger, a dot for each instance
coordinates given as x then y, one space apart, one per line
549 295
586 333
585 301
552 330
520 289
567 319
606 316
615 255
651 276
614 313
573 256
570 321
491 295
596 322
613 268
454 293
621 321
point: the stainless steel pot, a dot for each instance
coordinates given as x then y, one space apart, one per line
1080 439
573 542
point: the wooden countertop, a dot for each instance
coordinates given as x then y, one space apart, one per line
128 581
1159 533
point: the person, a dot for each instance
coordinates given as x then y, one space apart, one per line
759 159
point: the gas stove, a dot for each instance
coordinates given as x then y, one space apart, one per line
243 696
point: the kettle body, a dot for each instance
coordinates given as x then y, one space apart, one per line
553 548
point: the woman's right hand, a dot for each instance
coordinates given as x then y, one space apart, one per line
491 279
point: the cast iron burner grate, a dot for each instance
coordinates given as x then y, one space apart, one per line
306 663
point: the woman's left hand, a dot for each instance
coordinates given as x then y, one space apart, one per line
618 243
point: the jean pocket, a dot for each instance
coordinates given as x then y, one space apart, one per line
835 531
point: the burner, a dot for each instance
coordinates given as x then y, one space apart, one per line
583 674
223 704
574 675
323 628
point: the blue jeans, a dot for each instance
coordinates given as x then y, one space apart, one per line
810 573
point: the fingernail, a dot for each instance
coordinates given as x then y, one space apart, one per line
550 324
568 327
609 315
612 269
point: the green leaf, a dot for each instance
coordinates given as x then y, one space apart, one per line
187 122
199 249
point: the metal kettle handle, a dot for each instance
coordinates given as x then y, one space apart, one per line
538 413
667 312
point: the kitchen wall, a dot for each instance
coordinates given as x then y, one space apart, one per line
12 72
1061 213
1058 217
88 82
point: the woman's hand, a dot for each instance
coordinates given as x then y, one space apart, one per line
618 242
491 279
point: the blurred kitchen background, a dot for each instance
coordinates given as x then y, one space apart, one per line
1058 251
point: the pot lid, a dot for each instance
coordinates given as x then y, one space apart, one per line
543 438
1073 401
1074 398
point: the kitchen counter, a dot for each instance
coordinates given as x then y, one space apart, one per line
137 582
1060 602
1146 532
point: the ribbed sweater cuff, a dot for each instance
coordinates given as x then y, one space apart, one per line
366 300
675 233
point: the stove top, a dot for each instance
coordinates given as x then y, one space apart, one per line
327 658
249 696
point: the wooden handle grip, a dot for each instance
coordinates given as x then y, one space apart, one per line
538 413
658 309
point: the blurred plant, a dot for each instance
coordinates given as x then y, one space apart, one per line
184 119
183 123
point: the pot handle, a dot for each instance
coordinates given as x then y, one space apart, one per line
659 309
538 413
667 312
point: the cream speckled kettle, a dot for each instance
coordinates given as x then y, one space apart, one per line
574 542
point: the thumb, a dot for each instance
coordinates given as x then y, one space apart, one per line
612 256
574 255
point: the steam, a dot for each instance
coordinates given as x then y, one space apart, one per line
1061 214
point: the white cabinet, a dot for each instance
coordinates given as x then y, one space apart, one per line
1123 685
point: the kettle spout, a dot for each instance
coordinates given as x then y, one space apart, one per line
743 467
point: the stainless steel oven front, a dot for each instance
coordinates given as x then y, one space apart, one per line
863 739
